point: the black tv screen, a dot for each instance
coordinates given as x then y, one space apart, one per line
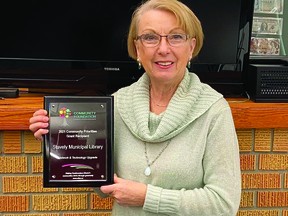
82 44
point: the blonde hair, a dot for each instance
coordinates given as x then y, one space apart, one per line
186 19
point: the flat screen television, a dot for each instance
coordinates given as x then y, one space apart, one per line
80 45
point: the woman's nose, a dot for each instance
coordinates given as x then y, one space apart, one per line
164 46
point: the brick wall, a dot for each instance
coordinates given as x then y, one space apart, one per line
264 165
21 188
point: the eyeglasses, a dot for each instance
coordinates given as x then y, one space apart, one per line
153 39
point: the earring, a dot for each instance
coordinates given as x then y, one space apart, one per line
189 64
139 64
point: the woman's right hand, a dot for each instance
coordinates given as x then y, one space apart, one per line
39 124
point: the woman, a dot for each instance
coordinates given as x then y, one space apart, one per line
176 150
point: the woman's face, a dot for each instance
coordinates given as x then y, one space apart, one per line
163 63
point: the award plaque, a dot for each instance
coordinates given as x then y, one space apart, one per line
78 150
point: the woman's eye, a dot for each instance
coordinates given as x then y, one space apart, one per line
176 37
150 37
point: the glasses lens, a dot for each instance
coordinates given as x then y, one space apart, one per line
176 39
150 39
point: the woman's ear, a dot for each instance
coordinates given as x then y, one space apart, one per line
192 47
136 44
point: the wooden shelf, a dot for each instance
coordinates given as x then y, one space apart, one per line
15 113
248 114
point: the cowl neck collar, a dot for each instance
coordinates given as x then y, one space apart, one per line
191 99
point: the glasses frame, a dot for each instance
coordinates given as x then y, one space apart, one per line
140 37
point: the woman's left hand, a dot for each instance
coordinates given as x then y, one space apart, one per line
126 192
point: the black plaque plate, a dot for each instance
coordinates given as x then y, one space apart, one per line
78 150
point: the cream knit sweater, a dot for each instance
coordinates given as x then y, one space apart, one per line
199 172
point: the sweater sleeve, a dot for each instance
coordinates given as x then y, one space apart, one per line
221 191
